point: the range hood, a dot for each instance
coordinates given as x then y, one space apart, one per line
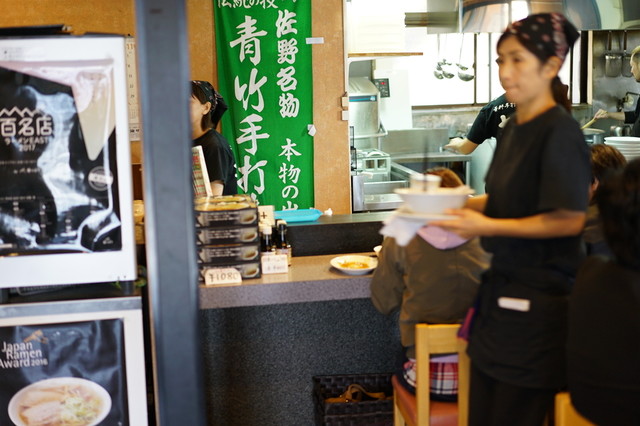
494 15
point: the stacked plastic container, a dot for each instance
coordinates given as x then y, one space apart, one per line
227 235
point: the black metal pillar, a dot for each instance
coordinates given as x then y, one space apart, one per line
161 34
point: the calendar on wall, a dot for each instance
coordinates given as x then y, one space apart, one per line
135 127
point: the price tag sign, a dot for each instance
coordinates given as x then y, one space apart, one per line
266 215
218 276
275 264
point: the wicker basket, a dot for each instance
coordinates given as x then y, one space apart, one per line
364 413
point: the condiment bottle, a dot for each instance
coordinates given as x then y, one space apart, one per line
267 246
283 246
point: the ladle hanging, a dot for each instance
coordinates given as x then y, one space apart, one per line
612 61
438 71
463 73
445 65
626 57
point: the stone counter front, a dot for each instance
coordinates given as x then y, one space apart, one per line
265 339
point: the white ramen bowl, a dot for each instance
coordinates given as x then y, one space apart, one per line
435 201
622 140
60 382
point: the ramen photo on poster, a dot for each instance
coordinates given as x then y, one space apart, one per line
62 401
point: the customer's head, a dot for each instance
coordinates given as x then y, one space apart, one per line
530 54
449 178
635 63
618 201
605 161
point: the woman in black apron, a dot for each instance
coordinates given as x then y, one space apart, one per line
530 220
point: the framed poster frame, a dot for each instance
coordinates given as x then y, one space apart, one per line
127 309
50 267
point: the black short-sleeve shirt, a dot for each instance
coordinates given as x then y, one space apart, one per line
634 118
219 159
538 166
489 120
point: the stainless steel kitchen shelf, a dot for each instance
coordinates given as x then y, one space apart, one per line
438 157
433 157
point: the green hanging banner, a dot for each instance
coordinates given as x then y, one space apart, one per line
265 76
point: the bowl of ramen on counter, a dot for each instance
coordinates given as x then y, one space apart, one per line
354 264
68 401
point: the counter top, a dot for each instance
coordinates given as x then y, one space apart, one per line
310 279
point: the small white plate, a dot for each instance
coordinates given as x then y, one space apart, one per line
425 218
354 264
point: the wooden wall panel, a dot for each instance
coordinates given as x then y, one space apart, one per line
331 162
109 16
115 16
202 50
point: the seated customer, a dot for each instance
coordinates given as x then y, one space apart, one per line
605 161
604 312
434 279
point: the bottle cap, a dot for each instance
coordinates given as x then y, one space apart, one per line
265 229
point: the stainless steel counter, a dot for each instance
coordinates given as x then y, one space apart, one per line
310 279
435 157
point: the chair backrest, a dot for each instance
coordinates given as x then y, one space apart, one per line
433 339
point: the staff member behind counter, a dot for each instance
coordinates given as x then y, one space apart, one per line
488 124
207 107
530 220
627 116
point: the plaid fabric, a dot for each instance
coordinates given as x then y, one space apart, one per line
444 376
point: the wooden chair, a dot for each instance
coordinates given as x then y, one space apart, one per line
419 410
566 415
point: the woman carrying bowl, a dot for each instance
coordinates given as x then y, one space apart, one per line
530 220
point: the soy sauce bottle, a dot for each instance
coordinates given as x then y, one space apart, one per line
267 246
283 246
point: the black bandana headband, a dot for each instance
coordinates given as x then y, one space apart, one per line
550 34
218 106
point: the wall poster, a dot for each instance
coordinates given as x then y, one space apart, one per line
82 369
63 374
65 162
265 76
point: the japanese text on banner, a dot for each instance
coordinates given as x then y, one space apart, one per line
264 70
